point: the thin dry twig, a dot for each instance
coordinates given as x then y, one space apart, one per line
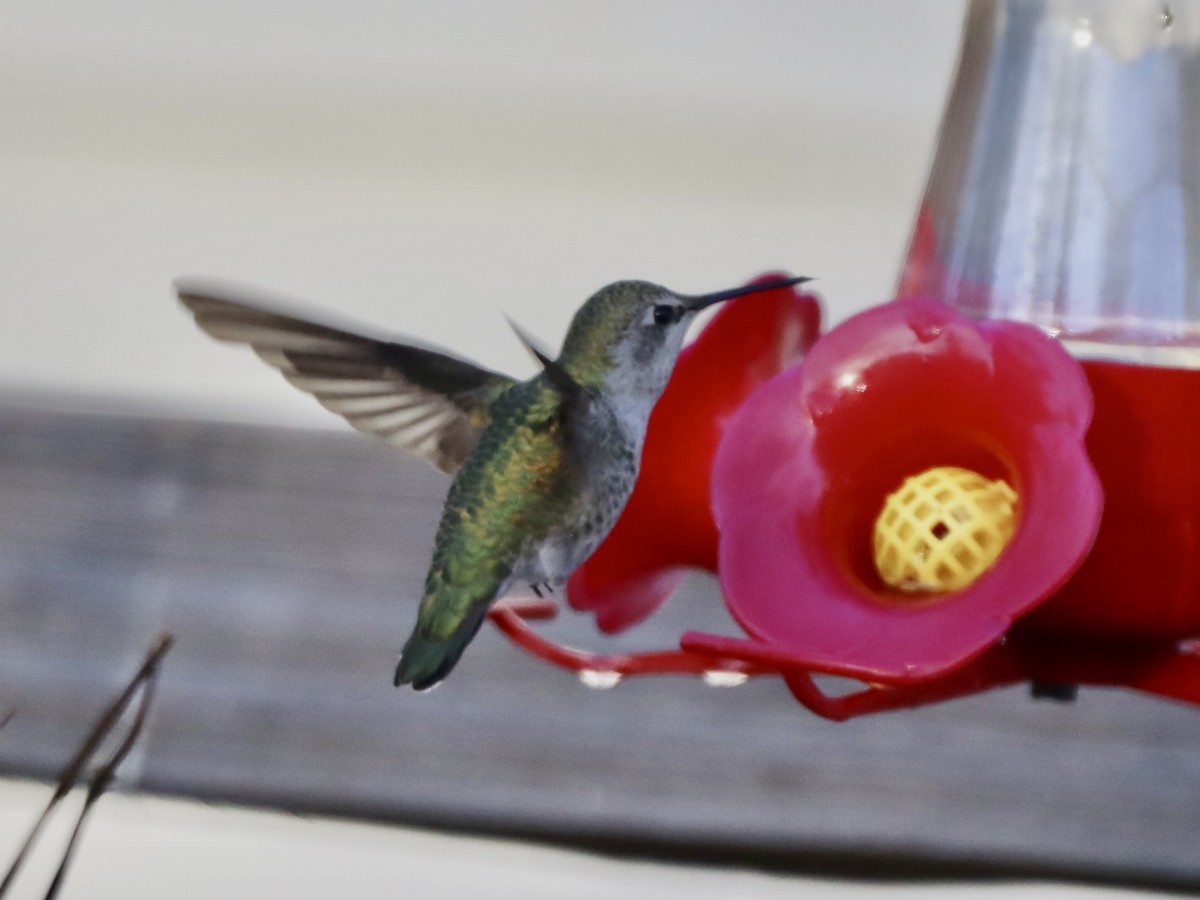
141 687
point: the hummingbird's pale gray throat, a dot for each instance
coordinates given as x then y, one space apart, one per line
542 467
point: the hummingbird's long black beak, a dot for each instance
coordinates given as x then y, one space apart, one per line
700 302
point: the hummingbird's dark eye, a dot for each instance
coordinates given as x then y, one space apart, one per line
665 314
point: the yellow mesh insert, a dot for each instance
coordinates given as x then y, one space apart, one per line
943 529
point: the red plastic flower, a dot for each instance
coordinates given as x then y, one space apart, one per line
805 467
667 525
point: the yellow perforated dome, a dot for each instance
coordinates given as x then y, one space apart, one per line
942 529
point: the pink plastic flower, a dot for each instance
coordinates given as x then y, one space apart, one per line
805 466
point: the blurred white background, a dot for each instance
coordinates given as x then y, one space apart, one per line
429 166
426 167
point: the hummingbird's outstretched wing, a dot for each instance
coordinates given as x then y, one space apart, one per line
425 402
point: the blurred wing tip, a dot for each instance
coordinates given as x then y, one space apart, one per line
209 286
531 344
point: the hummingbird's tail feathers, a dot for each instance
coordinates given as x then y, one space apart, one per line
425 661
423 401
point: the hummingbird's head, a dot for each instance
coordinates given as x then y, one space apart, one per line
625 339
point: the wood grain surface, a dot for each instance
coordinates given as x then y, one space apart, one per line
288 565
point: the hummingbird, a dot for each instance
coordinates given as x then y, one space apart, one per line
542 468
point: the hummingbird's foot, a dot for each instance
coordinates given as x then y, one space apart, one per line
537 590
543 586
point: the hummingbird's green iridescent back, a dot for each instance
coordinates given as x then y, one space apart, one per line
505 498
527 508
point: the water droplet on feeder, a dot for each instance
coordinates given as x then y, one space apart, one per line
600 680
725 678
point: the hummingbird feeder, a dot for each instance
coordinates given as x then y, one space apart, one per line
993 479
